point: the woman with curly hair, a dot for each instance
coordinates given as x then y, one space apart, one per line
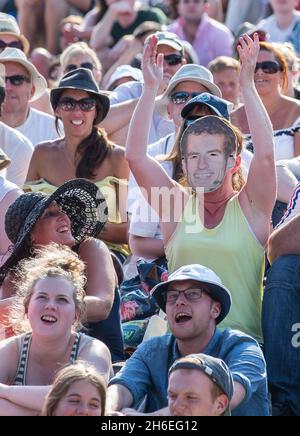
47 310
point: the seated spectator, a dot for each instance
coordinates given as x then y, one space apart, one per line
124 74
10 34
80 55
281 313
271 80
47 310
120 18
204 379
18 148
226 73
78 390
84 152
213 214
284 24
40 14
195 301
293 89
24 84
8 194
208 37
73 215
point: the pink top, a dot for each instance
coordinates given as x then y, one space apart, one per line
213 39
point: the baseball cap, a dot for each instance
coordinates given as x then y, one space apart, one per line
187 73
221 107
201 274
169 39
216 369
125 71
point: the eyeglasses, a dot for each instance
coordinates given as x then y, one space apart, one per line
181 97
69 104
173 59
268 67
72 67
17 80
192 294
13 44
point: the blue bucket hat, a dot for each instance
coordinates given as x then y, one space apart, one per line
220 107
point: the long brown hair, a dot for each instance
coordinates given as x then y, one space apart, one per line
279 56
93 150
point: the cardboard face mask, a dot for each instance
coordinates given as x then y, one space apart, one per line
206 161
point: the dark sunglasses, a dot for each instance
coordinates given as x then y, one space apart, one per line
69 104
72 67
181 97
17 80
268 67
13 44
173 59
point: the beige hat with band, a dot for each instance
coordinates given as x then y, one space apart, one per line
16 55
9 26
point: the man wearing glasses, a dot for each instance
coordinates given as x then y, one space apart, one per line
23 85
195 301
125 97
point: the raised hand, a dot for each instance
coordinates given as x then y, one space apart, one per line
248 50
152 64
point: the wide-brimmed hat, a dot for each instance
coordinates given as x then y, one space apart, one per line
221 107
187 73
17 56
82 79
80 199
214 368
4 160
199 273
9 26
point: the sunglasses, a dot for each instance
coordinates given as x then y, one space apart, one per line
72 67
181 97
268 67
13 44
69 104
173 59
17 80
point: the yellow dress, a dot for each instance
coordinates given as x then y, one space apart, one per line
108 187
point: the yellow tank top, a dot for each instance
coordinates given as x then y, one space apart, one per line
108 187
232 251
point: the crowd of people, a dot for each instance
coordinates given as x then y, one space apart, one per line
149 207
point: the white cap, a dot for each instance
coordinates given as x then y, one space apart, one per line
125 71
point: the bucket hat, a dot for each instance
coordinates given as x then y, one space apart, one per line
214 368
19 57
81 79
9 26
80 199
201 274
187 73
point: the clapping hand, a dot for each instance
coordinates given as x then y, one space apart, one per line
248 50
152 64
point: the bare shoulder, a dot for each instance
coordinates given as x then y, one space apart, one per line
49 146
239 119
96 353
92 246
9 353
120 164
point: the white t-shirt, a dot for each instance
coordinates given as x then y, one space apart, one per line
39 127
19 149
144 220
276 34
160 127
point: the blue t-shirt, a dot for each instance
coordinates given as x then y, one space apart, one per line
146 372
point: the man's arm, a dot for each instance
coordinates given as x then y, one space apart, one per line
238 396
118 398
285 240
119 116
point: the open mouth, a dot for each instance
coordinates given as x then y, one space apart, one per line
77 122
49 319
63 229
182 317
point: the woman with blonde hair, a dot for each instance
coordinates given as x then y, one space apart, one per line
47 311
78 390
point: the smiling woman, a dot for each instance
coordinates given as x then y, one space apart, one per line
48 308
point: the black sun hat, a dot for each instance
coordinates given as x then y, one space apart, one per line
82 79
80 199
